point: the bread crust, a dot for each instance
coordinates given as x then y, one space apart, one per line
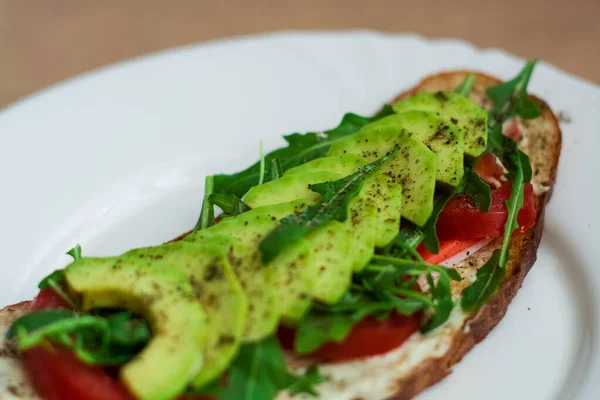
523 248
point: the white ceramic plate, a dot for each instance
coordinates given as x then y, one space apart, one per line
116 158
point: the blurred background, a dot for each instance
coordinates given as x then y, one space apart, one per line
45 41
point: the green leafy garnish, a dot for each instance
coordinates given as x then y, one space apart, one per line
317 328
229 203
300 149
36 320
489 278
75 252
261 173
207 215
477 190
386 285
431 241
405 244
306 383
335 196
56 278
514 202
276 169
98 340
259 372
465 87
510 100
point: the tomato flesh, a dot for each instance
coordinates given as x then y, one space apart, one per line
47 298
367 338
448 248
56 374
512 129
461 220
489 169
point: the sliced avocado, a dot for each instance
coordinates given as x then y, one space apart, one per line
456 109
293 273
287 188
385 193
332 244
257 282
207 267
164 296
413 166
362 222
443 138
297 186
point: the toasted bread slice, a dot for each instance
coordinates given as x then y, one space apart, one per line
424 359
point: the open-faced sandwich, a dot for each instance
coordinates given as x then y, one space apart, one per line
358 263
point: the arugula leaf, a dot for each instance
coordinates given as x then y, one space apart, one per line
465 87
300 149
317 328
75 252
229 203
525 164
402 266
276 169
442 294
98 340
55 278
335 196
259 372
207 215
128 331
386 285
332 323
261 174
489 278
441 302
38 319
510 98
478 190
431 241
406 242
514 202
306 383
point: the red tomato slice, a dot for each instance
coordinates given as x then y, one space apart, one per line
488 168
448 249
512 130
47 298
368 338
56 374
461 220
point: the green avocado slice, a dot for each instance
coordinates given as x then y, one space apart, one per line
413 166
441 137
291 273
362 226
164 296
456 109
208 269
385 194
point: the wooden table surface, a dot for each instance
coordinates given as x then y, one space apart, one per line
45 41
